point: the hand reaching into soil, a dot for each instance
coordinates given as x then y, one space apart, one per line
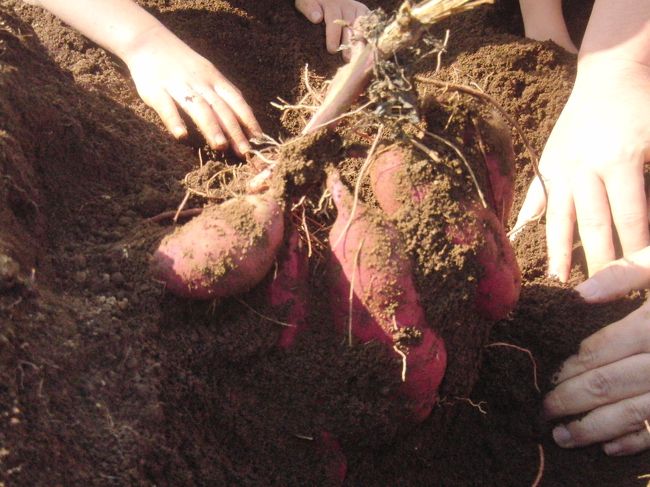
543 20
168 74
593 161
332 10
608 378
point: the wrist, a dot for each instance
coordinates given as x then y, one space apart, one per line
145 41
618 31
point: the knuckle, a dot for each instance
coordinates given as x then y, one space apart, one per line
618 272
631 218
593 223
634 415
587 355
599 384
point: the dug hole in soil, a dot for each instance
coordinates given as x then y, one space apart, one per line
106 379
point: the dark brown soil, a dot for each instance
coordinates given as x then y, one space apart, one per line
106 380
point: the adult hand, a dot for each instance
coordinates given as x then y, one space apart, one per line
608 379
168 73
593 166
331 11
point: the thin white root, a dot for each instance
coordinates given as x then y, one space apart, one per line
403 355
351 295
357 186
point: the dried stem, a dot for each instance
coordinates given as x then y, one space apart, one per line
410 22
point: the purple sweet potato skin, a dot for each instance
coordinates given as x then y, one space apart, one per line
370 258
500 280
386 174
500 165
288 288
224 251
499 284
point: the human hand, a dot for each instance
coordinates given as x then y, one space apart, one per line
168 73
608 378
593 166
330 11
544 20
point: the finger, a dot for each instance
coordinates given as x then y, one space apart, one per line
346 40
605 423
618 278
228 122
532 208
624 338
203 116
333 29
607 384
233 97
166 109
629 444
560 219
627 199
349 16
594 221
310 9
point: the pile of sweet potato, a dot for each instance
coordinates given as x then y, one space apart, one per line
377 269
231 248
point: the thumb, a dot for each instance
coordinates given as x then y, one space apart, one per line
310 9
531 209
618 278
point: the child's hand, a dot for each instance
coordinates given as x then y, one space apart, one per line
593 167
594 159
330 11
543 20
168 74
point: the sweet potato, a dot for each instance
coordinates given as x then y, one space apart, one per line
224 251
337 466
370 259
499 161
287 291
500 280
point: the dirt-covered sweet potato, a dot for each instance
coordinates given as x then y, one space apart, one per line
288 288
374 297
224 251
499 281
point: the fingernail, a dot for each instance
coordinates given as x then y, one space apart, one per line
315 16
554 273
612 449
219 142
589 289
562 436
179 132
